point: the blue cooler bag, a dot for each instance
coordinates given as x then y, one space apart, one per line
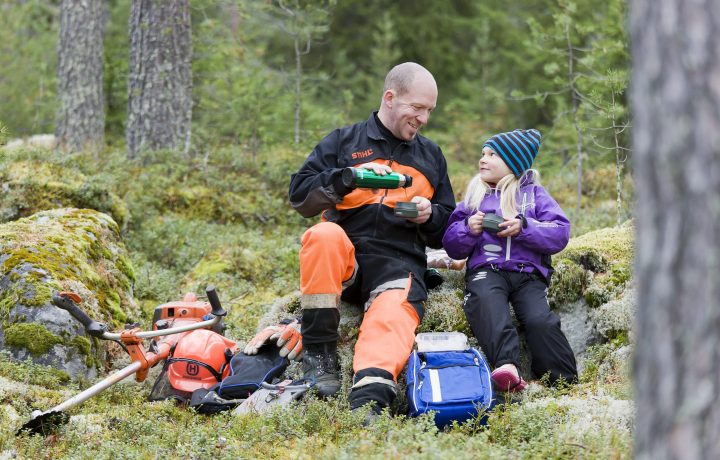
454 384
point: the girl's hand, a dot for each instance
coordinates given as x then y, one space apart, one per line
510 227
475 223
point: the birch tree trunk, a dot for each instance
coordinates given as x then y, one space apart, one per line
80 118
676 103
160 76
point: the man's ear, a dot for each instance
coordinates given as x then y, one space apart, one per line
388 98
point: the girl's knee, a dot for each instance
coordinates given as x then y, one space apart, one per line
542 323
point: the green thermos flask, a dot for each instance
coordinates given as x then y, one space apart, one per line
365 178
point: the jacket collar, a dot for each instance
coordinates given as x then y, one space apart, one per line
373 131
527 179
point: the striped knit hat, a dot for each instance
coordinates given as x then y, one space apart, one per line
518 148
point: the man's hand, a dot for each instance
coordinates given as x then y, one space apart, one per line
424 208
290 341
377 168
286 335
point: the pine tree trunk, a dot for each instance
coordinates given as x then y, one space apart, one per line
676 147
81 104
160 80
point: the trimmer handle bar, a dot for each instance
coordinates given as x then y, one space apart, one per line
212 296
68 301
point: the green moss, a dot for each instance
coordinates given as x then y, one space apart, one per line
113 306
84 347
82 344
595 266
211 265
33 186
619 338
600 249
125 266
31 336
568 282
597 294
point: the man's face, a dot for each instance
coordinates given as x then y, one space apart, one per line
410 111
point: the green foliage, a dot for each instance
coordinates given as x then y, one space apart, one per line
4 132
119 420
29 372
28 35
220 216
36 180
580 55
115 68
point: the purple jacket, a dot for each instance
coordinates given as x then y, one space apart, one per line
547 232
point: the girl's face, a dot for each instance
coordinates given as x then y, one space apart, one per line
492 167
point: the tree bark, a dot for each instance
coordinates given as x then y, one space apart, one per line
81 103
676 146
160 80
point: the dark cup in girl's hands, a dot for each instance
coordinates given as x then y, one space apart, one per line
491 222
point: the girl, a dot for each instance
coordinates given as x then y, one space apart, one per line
511 261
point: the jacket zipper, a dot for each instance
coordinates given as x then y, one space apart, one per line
379 210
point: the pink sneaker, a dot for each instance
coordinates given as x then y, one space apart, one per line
506 380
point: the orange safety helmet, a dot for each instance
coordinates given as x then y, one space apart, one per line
200 360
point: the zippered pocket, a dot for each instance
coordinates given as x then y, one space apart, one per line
450 383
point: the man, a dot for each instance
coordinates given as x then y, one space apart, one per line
361 250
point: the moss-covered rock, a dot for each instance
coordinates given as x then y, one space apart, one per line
76 250
32 186
592 275
32 336
595 266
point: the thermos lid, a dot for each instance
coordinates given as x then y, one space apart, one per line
348 177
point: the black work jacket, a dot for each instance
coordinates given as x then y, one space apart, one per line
386 247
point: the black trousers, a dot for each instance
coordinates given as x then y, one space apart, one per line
487 293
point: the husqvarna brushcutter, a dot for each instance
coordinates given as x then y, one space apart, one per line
171 322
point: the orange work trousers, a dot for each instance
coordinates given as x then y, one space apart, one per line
387 332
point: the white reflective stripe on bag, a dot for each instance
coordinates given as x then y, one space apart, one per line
435 385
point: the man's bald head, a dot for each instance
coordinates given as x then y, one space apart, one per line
409 96
402 75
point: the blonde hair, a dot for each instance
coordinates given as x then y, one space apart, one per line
507 187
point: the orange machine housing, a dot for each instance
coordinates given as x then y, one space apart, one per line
180 312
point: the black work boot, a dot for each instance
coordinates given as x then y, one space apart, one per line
320 365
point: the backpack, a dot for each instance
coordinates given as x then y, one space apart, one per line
248 372
248 376
455 385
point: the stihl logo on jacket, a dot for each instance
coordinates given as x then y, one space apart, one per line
363 154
